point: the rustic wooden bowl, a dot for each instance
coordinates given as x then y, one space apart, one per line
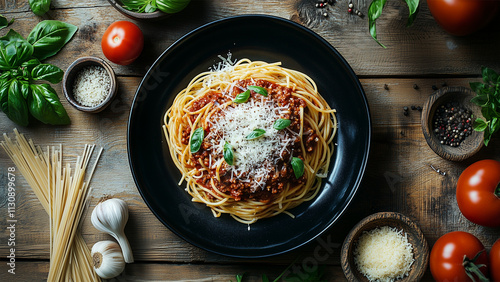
415 238
470 145
69 78
155 16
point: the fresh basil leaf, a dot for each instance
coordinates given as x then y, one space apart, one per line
49 36
4 94
17 110
265 278
196 139
4 22
280 124
47 72
242 97
257 89
25 89
45 106
479 125
480 100
138 6
150 8
171 6
413 7
14 50
374 12
39 7
256 133
28 66
228 153
5 75
489 75
477 87
298 167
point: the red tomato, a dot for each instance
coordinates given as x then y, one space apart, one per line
478 193
463 17
447 256
122 42
495 261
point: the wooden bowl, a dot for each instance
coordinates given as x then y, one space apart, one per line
70 76
471 144
392 219
155 16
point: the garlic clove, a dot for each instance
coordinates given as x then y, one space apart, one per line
110 216
107 259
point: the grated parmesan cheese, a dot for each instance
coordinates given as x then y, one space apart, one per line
384 254
91 86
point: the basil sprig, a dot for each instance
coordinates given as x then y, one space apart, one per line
488 98
21 69
257 89
242 97
228 153
256 133
298 167
280 124
375 10
196 139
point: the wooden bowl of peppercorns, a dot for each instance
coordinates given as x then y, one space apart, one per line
447 119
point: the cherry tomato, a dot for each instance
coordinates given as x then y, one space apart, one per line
122 42
478 193
495 261
451 251
463 17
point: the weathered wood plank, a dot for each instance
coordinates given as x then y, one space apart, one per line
421 50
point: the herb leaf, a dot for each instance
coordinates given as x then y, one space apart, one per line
197 139
488 98
45 106
4 22
242 97
39 7
47 72
14 50
228 153
257 89
49 36
17 110
413 7
280 124
374 12
256 133
298 167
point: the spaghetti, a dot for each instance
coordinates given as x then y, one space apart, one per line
251 139
62 193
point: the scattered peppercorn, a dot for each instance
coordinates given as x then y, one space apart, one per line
415 86
452 124
419 108
405 111
413 107
434 87
386 87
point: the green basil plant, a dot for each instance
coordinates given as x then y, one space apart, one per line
21 72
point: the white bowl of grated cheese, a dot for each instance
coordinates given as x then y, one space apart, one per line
385 246
89 84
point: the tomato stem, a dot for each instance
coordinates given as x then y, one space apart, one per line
497 190
472 269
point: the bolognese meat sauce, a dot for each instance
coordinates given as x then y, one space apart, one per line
261 167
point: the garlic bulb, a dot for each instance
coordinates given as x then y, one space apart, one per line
107 259
110 216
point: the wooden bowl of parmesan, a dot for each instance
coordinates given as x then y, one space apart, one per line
385 246
89 84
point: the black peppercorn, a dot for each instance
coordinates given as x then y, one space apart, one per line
452 123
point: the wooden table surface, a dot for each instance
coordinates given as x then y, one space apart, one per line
398 176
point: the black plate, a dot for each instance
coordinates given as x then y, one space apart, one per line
255 37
